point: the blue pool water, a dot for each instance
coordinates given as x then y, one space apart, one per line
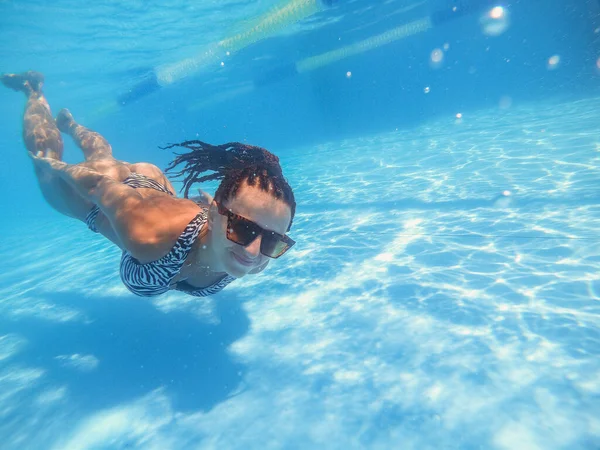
444 292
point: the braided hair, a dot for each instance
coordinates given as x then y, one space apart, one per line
232 163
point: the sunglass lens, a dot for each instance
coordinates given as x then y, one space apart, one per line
241 231
272 245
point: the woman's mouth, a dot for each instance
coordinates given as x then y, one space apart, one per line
243 261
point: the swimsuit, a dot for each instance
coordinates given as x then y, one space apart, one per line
154 278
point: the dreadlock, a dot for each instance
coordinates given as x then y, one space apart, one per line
232 163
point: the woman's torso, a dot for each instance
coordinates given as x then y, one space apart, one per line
171 271
184 224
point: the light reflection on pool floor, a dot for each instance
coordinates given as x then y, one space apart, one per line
416 311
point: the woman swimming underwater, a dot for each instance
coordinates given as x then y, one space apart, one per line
167 242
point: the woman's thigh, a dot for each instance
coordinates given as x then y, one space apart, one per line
62 197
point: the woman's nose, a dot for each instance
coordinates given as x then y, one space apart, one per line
253 248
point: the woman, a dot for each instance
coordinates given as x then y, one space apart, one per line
167 242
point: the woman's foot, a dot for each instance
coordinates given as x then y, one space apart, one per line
64 120
27 82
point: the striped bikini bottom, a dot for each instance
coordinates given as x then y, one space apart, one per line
135 180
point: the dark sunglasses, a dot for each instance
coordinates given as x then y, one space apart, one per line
243 231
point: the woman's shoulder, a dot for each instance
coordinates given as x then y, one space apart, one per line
159 225
173 214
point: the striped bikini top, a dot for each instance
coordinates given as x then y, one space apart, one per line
155 278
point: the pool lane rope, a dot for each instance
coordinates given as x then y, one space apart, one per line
441 17
264 26
436 19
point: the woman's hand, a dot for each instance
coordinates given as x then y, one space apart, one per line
202 197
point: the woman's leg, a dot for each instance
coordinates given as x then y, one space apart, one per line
93 144
39 130
98 152
42 136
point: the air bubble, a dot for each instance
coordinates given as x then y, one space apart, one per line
495 22
553 62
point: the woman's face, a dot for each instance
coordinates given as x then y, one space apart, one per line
261 208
